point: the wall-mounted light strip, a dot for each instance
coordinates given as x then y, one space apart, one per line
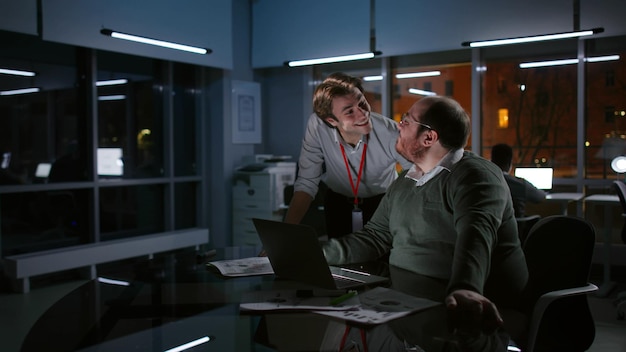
111 82
327 60
162 43
19 91
418 74
567 61
8 71
421 92
537 38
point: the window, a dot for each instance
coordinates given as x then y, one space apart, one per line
86 156
540 103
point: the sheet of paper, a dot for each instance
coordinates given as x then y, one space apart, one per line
380 305
289 300
244 267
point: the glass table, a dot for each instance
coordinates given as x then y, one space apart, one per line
175 300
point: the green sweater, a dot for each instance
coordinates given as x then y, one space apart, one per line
459 226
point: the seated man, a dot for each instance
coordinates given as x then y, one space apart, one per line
522 191
449 217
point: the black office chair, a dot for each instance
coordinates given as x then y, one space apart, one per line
524 224
558 253
620 302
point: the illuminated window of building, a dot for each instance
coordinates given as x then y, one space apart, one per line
503 118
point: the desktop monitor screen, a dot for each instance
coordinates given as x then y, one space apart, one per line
43 170
110 162
540 177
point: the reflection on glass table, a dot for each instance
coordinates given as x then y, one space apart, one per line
175 299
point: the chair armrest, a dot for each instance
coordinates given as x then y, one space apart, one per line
545 300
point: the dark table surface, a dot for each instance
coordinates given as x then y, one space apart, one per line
174 299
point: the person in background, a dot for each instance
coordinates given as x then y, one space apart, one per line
522 191
449 218
351 150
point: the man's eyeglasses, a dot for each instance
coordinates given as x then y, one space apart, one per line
405 121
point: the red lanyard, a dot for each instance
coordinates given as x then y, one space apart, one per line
355 190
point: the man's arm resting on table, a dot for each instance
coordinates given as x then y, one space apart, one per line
298 207
475 321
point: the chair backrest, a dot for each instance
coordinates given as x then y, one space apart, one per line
558 253
620 189
524 224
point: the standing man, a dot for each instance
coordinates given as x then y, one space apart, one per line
522 191
351 150
448 218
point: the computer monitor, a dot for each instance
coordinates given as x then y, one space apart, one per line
110 162
540 177
43 170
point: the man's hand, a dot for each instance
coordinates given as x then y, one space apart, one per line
472 313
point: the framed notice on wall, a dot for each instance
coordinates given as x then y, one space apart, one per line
246 110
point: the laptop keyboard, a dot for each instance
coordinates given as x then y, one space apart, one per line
344 281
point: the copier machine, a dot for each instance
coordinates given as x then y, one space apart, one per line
258 192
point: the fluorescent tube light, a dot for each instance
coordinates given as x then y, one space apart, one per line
373 78
145 40
327 60
567 61
548 63
111 97
602 58
8 71
111 82
418 74
537 38
19 91
189 344
421 92
113 282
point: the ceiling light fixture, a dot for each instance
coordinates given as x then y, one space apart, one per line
421 92
418 74
8 71
327 60
373 78
111 82
111 97
19 91
567 61
162 43
536 38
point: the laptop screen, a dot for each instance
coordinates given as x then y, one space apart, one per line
43 170
540 177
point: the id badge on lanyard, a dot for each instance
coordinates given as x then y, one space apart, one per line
357 219
357 214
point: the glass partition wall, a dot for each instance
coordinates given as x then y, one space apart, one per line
101 146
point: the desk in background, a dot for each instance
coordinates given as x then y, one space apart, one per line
564 199
607 201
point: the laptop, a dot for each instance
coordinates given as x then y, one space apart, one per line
540 177
295 254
